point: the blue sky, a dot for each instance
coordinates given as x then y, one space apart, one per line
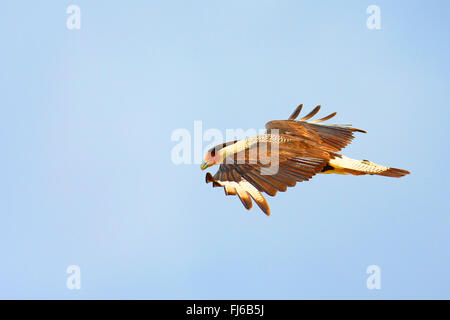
87 177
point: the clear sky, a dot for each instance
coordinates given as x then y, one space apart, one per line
86 173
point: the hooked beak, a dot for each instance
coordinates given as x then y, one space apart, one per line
204 165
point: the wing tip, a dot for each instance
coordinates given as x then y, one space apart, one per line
244 195
296 112
209 178
312 113
358 130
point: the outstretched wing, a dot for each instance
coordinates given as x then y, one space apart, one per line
247 181
330 137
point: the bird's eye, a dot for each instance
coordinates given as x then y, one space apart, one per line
213 152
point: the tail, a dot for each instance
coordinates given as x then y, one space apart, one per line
345 165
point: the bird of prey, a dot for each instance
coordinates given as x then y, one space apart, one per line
290 151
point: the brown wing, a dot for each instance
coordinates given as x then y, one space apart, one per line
247 181
242 188
330 137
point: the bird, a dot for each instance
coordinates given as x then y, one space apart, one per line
289 151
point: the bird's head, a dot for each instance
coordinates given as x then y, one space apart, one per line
211 158
217 154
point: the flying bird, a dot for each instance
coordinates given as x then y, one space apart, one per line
290 151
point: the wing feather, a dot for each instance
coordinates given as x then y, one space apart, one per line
311 114
325 118
247 181
296 112
329 137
